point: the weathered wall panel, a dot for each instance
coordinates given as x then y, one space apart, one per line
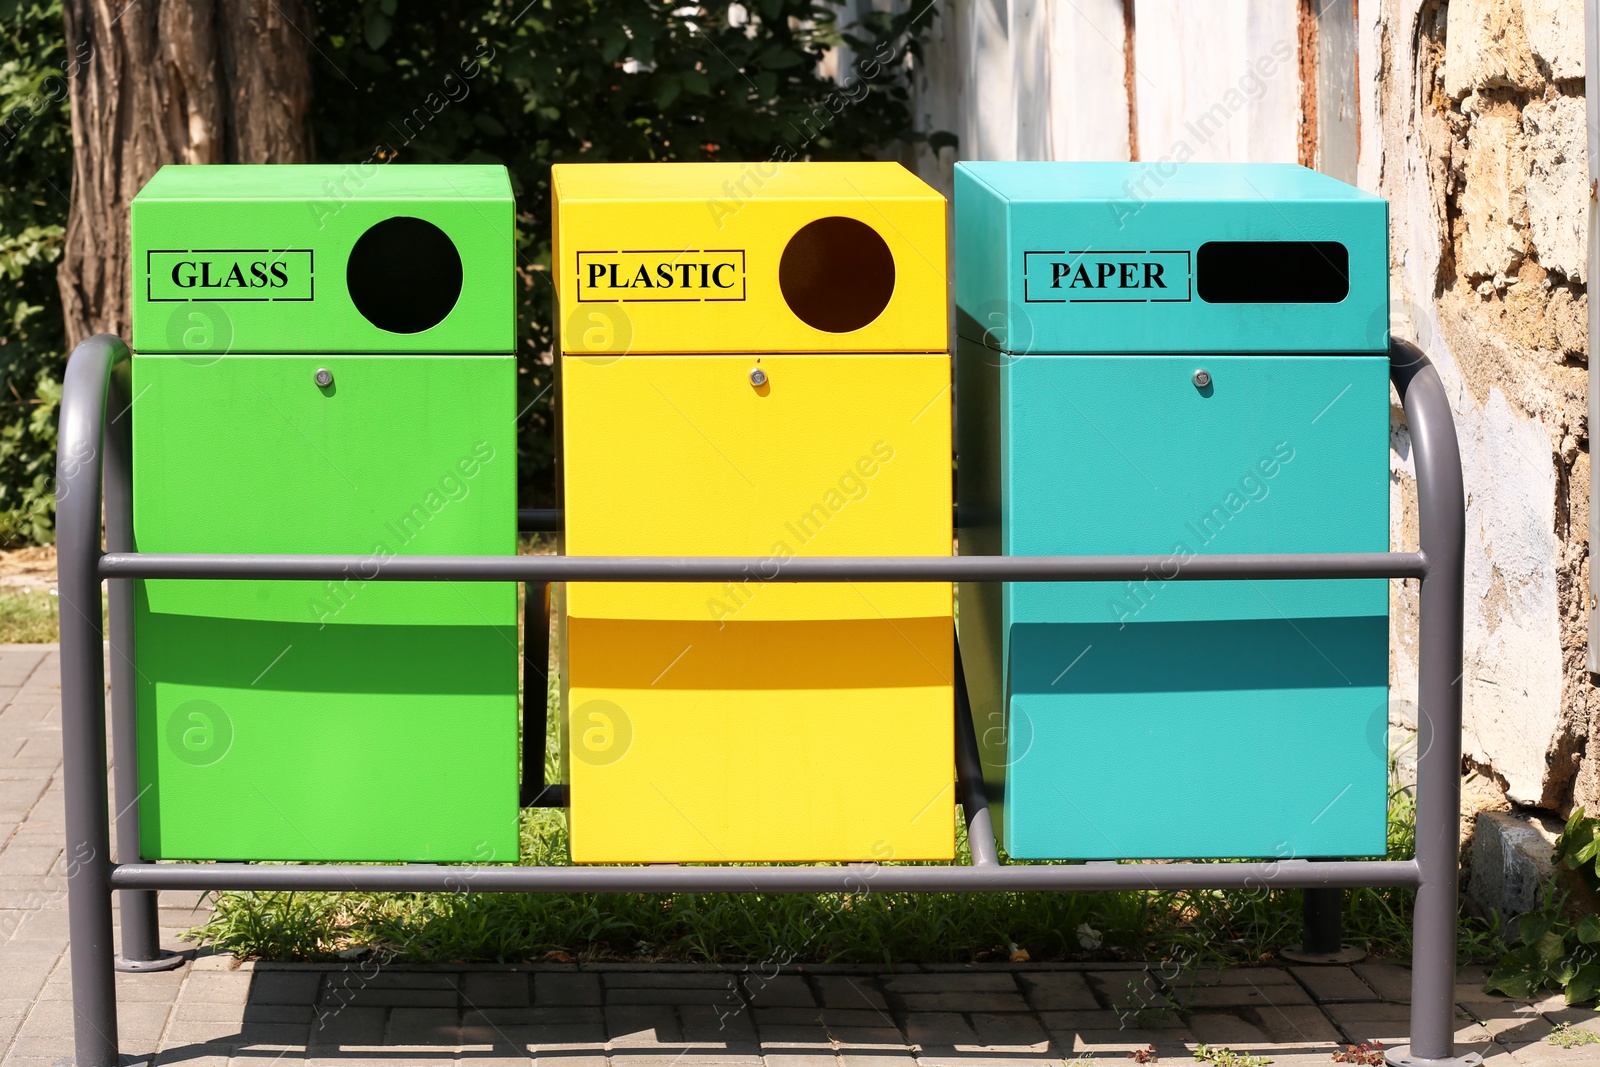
1469 116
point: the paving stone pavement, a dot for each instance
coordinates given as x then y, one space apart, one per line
216 1011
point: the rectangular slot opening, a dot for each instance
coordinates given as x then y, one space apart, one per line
1272 272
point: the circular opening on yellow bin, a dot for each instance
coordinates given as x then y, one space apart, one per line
404 275
837 274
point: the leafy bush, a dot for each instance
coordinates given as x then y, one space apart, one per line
1578 847
1552 950
508 81
36 150
1549 952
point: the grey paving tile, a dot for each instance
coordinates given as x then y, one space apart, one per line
689 1055
222 987
668 979
335 1026
1297 1024
566 988
1241 996
1224 1028
826 1016
1170 1044
963 1002
185 1055
1392 982
25 861
1058 991
424 1026
492 989
867 1036
707 1025
1253 976
1069 1022
724 995
794 1035
888 1057
1009 1029
847 991
204 1011
641 1025
1332 984
365 996
285 987
951 983
939 1028
783 990
569 1058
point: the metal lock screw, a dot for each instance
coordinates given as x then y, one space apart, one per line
1202 378
758 377
324 377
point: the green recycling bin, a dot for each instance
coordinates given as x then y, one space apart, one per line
324 363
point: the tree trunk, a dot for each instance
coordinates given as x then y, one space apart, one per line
170 81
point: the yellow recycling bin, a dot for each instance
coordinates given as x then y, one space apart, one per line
754 362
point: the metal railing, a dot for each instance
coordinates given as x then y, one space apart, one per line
93 448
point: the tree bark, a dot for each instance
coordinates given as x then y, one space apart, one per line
170 81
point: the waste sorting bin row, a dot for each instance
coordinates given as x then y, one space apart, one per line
753 360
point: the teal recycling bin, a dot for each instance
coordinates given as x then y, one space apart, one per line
1175 360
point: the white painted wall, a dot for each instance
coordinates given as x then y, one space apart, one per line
1217 82
1045 79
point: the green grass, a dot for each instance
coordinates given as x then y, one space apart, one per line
28 618
1190 927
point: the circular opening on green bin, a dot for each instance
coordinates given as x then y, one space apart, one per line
836 274
404 275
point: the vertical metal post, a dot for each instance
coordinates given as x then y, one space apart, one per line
535 689
1322 913
1322 930
83 699
1441 507
141 934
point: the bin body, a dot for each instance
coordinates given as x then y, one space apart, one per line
754 720
1164 718
356 719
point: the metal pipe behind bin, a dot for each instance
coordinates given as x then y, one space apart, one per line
1322 914
535 692
969 777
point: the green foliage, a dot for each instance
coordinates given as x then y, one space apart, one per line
1226 1057
1549 949
1549 952
524 84
36 148
529 84
1578 847
1564 1036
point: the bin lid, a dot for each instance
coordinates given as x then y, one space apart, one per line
748 257
1168 257
362 257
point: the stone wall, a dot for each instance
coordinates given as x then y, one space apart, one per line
1475 133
